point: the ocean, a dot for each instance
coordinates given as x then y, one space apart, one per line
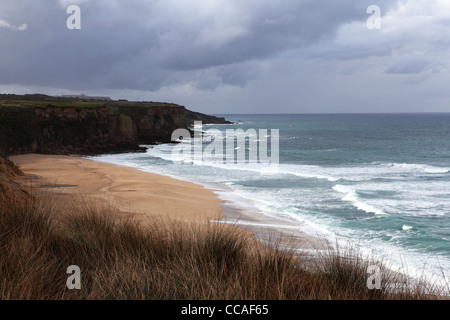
378 181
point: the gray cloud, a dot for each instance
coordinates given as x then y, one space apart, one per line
7 25
210 49
117 50
407 64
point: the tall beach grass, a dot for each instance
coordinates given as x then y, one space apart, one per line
121 258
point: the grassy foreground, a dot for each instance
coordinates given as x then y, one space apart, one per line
122 259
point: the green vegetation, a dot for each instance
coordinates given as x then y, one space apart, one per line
43 101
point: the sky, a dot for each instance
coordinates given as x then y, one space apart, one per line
233 56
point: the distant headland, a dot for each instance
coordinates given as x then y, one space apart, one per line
67 124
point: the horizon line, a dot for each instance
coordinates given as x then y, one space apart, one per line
334 113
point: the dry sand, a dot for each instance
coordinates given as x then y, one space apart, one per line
129 190
146 195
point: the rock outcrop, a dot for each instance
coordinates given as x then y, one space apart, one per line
192 116
63 126
60 129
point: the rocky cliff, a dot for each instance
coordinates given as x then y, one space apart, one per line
192 116
62 126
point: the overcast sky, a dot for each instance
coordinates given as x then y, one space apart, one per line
233 56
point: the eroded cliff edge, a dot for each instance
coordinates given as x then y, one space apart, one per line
49 125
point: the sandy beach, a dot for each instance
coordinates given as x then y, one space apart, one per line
146 195
132 191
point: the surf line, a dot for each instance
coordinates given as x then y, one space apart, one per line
227 147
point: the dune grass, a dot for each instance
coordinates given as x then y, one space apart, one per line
163 260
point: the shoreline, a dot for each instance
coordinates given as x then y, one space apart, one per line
142 194
271 230
147 195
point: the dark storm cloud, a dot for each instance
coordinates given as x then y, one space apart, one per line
218 51
50 54
147 45
272 27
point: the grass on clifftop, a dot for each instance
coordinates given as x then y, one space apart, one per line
121 259
77 103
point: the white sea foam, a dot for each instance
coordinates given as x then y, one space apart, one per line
303 171
363 172
414 167
407 196
352 196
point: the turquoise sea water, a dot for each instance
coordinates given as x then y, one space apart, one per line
379 180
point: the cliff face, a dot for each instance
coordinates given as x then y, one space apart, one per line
86 129
42 124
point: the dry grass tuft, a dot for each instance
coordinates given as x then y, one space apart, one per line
122 259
